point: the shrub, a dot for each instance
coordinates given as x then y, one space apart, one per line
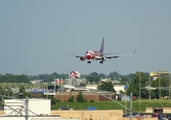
71 99
91 100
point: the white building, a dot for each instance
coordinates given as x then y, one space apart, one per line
119 88
36 107
92 87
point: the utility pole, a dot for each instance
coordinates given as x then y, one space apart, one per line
159 90
150 89
26 116
4 89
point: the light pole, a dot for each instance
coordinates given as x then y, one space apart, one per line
125 102
131 106
139 90
169 88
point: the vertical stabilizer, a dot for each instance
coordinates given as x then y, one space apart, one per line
102 47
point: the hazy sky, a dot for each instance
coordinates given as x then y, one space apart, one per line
32 33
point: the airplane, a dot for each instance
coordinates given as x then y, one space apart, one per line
98 55
149 88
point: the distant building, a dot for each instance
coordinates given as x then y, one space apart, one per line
116 81
87 96
75 82
158 110
155 75
106 80
67 88
36 81
15 90
80 88
119 88
92 87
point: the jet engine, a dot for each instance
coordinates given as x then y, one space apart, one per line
103 58
82 58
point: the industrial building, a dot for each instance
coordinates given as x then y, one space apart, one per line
87 96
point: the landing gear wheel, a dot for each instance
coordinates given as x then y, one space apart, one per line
101 62
89 62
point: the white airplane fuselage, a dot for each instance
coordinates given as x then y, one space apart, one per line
92 55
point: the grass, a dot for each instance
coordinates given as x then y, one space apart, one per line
109 105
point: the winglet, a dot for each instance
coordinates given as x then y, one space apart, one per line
134 51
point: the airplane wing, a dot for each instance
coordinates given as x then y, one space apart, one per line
148 88
110 53
116 56
162 88
77 56
154 88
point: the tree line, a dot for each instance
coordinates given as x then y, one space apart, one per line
92 77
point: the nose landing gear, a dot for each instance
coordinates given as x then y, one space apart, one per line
89 62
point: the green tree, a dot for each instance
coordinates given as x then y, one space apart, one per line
124 80
71 99
101 75
93 78
107 86
82 84
10 78
26 94
80 97
49 77
164 82
139 81
114 75
94 74
53 101
22 89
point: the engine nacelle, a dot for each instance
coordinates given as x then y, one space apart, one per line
82 58
103 58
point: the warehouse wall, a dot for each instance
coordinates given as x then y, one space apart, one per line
92 114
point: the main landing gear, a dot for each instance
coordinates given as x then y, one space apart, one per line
101 62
